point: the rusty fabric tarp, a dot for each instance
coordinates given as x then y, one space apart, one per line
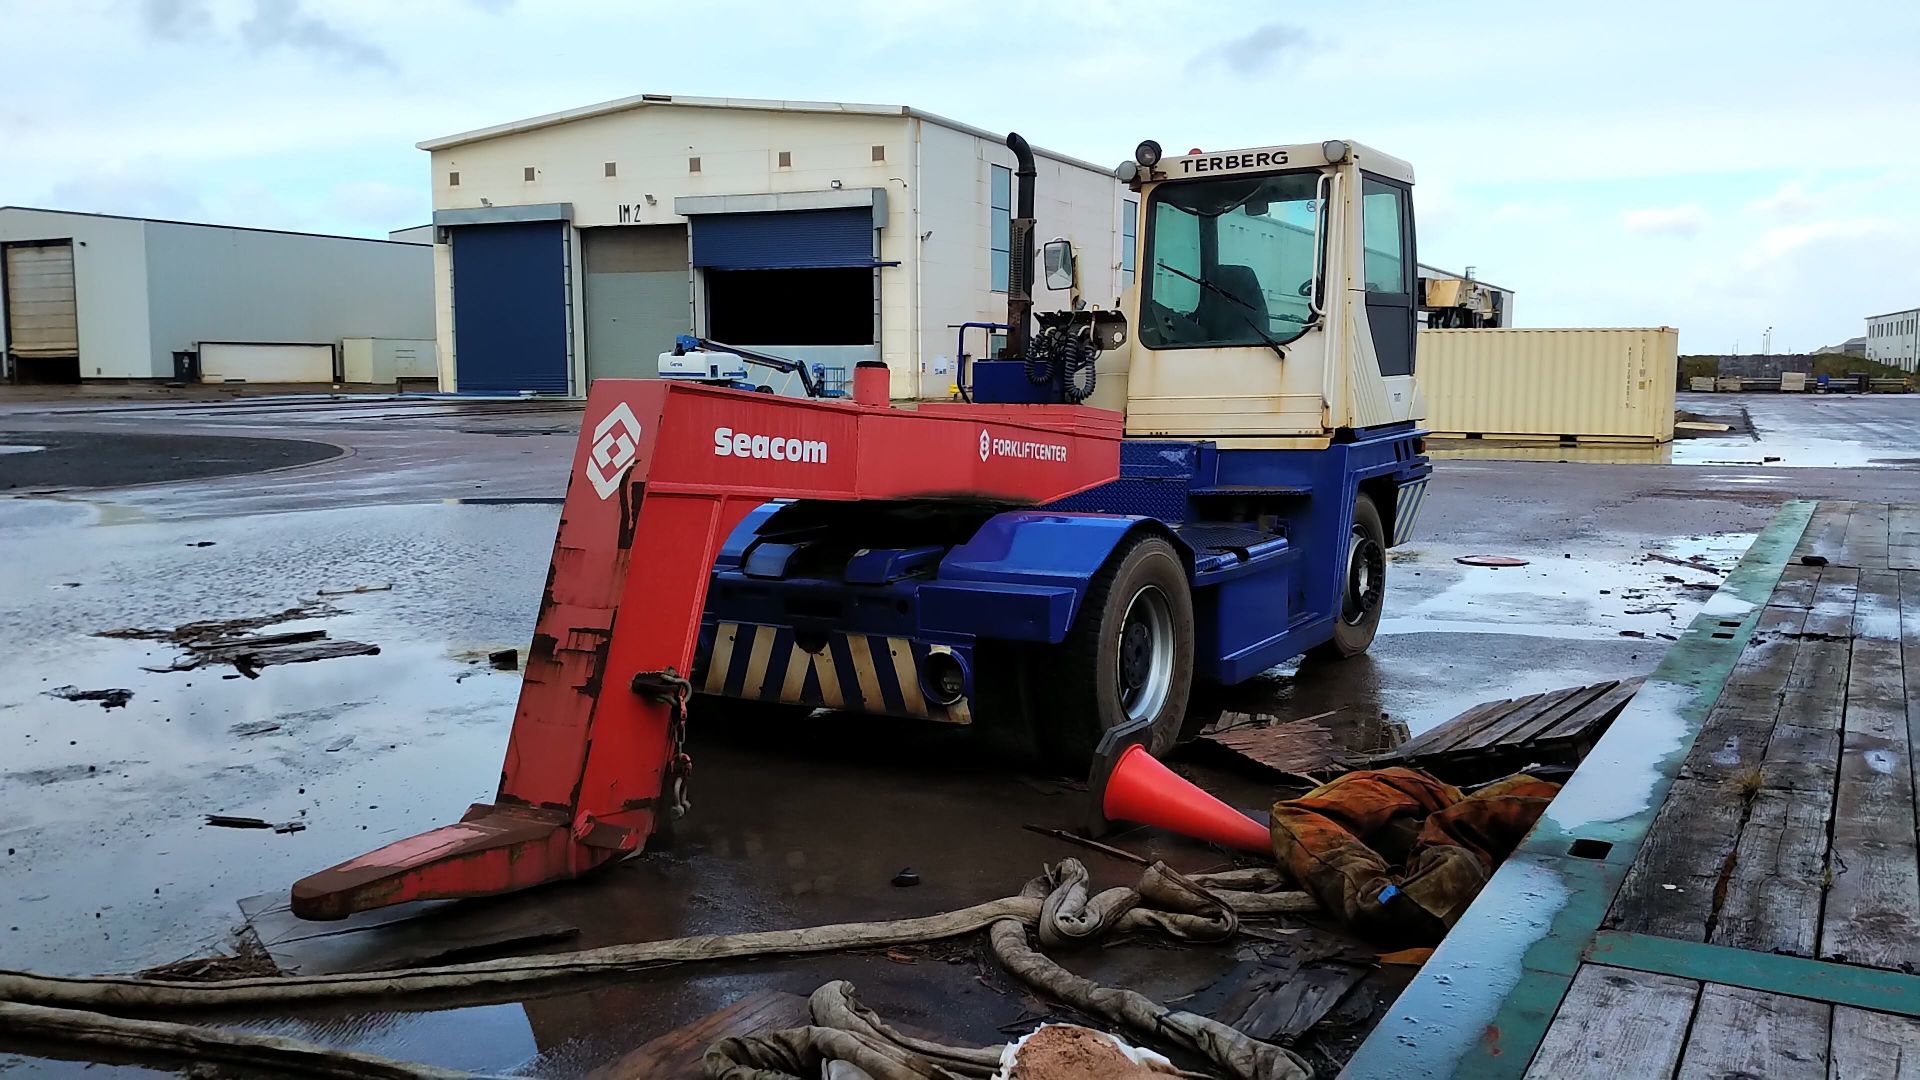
1344 840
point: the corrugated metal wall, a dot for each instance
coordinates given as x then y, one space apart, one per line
1600 384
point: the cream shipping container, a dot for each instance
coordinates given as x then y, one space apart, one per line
1589 385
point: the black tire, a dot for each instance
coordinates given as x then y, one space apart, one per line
1129 653
1362 585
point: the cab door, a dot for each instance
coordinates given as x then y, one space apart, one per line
1386 225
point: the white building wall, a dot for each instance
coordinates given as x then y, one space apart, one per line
1895 339
939 282
207 283
956 201
739 155
110 288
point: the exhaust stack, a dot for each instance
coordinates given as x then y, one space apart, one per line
1020 252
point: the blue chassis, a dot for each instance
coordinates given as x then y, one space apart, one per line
1266 585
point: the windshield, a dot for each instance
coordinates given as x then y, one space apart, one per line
1229 262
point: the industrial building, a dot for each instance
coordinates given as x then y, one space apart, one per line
1894 338
96 296
579 244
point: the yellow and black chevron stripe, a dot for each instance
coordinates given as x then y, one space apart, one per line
857 672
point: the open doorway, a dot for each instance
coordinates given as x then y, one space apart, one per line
830 306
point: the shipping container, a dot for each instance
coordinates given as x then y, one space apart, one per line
1591 385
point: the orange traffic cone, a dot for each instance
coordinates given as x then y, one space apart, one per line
1140 789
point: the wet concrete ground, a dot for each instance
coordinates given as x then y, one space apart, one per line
108 867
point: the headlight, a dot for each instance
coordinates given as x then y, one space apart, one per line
1126 171
1147 154
1336 150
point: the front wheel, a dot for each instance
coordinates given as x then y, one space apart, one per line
1129 656
1363 584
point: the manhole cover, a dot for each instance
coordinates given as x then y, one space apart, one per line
1490 560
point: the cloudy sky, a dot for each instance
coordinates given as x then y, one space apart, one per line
1720 167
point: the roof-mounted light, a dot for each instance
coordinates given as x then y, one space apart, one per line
1336 151
1147 154
1127 171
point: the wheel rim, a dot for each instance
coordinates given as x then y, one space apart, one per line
1366 577
1145 668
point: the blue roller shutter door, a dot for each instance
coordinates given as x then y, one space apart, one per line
510 307
787 240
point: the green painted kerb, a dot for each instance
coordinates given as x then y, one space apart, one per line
1481 1005
1794 976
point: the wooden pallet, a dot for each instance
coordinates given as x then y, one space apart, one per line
1496 737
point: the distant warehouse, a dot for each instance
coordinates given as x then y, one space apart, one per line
580 244
94 296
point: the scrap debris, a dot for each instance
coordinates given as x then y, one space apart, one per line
1302 747
234 821
229 641
109 699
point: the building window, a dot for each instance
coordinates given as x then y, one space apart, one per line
1129 223
1001 241
527 174
693 164
612 170
786 159
453 179
879 153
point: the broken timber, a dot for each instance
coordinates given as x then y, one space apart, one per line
1498 737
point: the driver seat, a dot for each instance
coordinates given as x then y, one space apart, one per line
1220 318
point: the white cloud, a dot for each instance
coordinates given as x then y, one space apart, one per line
1665 220
1792 200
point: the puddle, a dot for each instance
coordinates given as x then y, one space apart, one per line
15 448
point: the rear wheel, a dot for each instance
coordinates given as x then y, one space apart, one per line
1363 584
1128 657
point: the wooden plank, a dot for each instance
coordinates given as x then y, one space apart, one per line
1873 906
1903 526
1745 1033
1733 739
1802 759
1865 542
679 1052
1449 733
1669 891
1795 587
1833 596
1546 705
1616 1023
1600 710
1874 1044
1826 532
1301 747
1772 900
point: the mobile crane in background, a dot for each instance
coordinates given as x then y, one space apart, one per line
1099 525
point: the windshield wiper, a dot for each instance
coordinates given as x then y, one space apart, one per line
1266 338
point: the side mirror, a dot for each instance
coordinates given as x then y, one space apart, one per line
1057 259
